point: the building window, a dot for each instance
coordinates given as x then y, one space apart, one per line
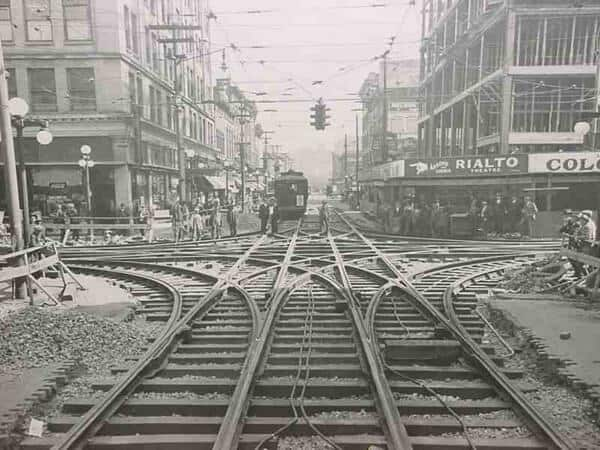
132 94
6 27
77 20
135 41
82 89
42 87
126 21
159 107
140 95
11 79
169 112
152 104
37 20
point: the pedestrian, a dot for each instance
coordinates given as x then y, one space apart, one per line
437 219
147 217
485 216
567 230
273 216
71 219
232 219
197 224
529 215
38 234
323 218
408 212
498 214
473 214
215 219
587 233
177 219
513 212
123 214
263 215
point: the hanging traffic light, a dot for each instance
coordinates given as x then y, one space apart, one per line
319 116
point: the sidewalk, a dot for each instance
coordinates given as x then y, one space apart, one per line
541 323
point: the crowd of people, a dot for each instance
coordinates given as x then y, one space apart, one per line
495 216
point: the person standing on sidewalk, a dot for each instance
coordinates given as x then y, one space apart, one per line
232 218
263 215
215 219
197 224
530 212
177 218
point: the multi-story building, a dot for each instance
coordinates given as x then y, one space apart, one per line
104 74
501 76
402 80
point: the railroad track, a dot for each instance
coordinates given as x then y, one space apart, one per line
350 340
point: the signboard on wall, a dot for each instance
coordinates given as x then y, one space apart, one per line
569 162
467 166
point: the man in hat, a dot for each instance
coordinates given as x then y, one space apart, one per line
587 233
568 229
530 212
263 215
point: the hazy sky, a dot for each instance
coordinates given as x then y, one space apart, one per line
301 42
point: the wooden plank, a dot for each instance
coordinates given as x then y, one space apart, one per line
580 257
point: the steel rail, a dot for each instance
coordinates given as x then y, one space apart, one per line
231 427
542 426
91 422
397 434
530 412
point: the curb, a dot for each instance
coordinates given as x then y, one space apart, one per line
557 367
12 423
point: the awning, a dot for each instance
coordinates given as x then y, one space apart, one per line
215 183
254 186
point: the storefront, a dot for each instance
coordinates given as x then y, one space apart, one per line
555 181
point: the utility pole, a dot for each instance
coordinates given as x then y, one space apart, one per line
384 146
177 59
242 117
346 163
356 174
10 173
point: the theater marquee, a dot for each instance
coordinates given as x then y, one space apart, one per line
467 166
570 162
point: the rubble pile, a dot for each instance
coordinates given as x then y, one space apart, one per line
35 337
539 277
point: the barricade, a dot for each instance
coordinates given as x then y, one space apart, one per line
29 262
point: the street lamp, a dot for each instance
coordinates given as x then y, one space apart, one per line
86 163
18 109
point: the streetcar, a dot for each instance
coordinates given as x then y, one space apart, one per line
291 193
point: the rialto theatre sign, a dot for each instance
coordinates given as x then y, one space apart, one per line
467 166
568 162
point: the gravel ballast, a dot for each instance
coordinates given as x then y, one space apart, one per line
35 337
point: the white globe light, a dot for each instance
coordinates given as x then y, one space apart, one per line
82 163
91 163
44 137
582 128
86 149
18 107
190 153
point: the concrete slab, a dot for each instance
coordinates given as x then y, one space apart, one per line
545 320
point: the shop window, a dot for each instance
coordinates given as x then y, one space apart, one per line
77 20
42 87
37 20
82 89
6 26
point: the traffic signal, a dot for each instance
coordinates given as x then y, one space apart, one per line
319 116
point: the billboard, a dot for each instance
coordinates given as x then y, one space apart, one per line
467 166
569 162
